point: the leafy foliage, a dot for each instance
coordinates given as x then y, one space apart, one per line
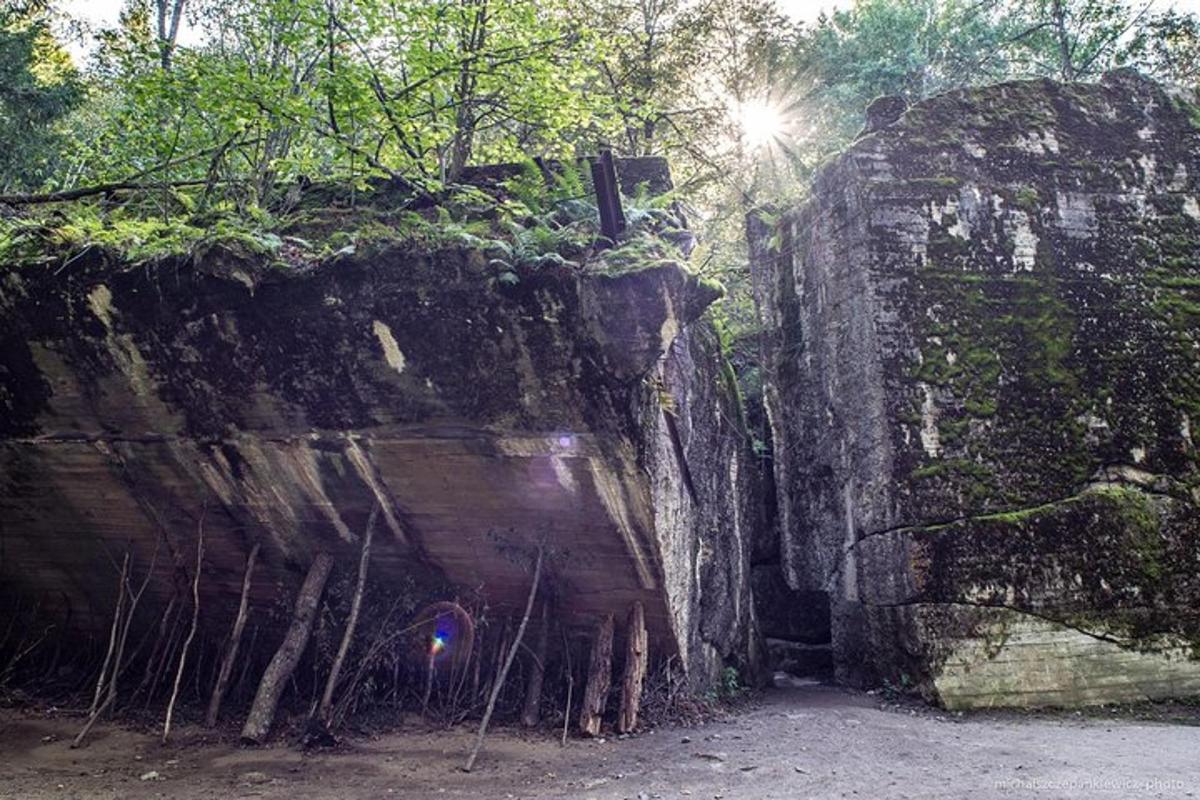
517 225
271 94
38 87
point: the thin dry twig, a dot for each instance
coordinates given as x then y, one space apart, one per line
512 653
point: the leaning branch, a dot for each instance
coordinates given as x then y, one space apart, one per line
98 189
325 714
235 638
491 706
191 631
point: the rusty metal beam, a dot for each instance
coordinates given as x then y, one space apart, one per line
608 195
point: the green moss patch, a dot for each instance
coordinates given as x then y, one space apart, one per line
1111 558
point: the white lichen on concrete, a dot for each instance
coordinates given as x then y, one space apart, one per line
1179 179
1076 214
930 439
1149 166
121 346
1037 142
1191 207
1025 241
100 302
391 350
670 325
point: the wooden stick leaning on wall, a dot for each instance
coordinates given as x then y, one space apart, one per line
235 639
99 707
508 661
187 644
325 712
531 712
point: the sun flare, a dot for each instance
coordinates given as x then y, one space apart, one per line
761 122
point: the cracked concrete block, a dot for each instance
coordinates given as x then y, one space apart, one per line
982 372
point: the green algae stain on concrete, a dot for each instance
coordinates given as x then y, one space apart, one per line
1005 423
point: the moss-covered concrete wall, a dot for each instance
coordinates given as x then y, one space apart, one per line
984 370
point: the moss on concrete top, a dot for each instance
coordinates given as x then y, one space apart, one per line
521 220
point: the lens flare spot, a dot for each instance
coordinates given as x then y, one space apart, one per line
761 122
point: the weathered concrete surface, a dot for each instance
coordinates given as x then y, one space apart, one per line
983 372
278 406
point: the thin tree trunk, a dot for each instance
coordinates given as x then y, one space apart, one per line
364 560
160 645
235 639
501 649
283 664
475 673
430 665
95 715
168 656
636 659
119 664
531 714
570 686
112 635
168 29
499 684
465 121
187 644
1066 68
595 695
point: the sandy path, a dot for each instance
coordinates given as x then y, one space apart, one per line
802 743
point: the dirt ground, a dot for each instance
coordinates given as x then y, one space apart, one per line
808 742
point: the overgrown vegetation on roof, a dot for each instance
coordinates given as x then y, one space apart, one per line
520 222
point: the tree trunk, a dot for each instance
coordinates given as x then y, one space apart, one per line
636 659
471 45
187 644
235 639
324 714
537 672
1063 36
275 678
99 707
570 670
508 661
168 29
599 679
